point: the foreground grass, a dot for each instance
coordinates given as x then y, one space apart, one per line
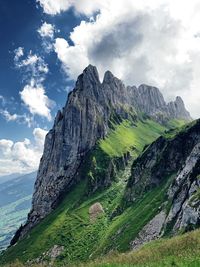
180 251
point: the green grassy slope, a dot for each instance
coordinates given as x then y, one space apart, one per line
70 226
127 137
180 251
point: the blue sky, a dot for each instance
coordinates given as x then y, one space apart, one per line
45 45
19 22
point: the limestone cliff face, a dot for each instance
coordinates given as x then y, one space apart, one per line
83 121
178 157
177 109
149 100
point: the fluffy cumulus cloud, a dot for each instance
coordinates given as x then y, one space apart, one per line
86 7
22 156
36 100
33 94
53 7
46 30
148 41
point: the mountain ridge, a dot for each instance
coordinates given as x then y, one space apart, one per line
141 171
83 121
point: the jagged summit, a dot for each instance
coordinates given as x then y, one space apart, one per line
77 128
91 72
108 77
145 98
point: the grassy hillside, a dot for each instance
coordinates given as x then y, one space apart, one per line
128 137
180 251
70 224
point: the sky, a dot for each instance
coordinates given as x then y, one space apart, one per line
45 45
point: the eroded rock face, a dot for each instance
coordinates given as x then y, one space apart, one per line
48 258
177 109
150 232
83 121
179 157
185 194
148 99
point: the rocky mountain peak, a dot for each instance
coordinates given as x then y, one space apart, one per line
108 77
177 109
91 72
82 122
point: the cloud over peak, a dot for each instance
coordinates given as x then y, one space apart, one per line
154 42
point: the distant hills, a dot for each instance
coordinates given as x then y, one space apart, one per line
15 202
9 177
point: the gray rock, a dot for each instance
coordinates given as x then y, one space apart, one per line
150 232
177 109
95 210
185 209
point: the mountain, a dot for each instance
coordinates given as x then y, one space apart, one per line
83 121
9 177
113 167
15 203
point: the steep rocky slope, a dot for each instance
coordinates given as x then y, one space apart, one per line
87 160
177 157
84 120
157 195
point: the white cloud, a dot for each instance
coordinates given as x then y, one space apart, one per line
149 42
53 7
86 7
33 66
22 156
19 52
36 100
24 118
8 116
39 135
73 58
33 94
46 30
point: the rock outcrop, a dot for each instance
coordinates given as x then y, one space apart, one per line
177 157
150 232
149 100
95 211
77 128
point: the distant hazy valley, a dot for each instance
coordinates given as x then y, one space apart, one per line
15 202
